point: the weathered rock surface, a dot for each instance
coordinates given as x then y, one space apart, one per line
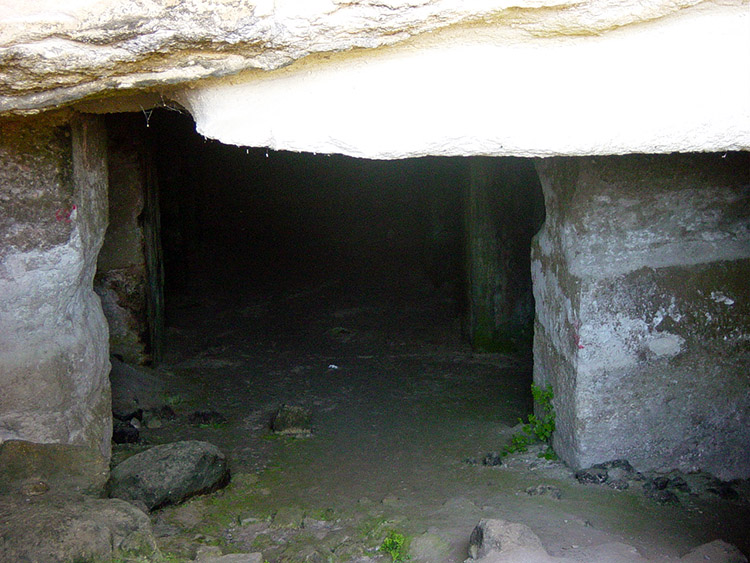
640 281
296 75
134 388
25 466
54 528
128 273
442 93
53 335
48 55
169 474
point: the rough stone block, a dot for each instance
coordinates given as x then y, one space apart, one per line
60 467
53 335
643 310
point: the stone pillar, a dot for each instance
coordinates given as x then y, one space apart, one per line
504 209
129 276
54 362
641 277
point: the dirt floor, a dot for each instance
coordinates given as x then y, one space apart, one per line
403 415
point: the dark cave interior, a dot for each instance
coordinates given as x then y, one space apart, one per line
261 217
238 219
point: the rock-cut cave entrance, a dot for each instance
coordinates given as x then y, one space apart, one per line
359 290
200 220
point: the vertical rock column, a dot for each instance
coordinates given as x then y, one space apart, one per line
129 276
643 310
53 336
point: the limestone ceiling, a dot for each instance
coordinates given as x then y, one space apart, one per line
54 52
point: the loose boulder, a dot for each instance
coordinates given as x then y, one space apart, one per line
169 474
490 537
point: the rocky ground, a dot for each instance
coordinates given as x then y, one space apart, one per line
405 424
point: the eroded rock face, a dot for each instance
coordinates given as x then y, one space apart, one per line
53 468
52 528
49 54
128 276
53 335
643 311
399 78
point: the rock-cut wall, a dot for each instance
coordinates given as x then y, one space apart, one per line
643 310
129 270
53 335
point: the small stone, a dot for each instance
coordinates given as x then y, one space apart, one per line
662 496
545 490
291 420
124 432
724 490
200 418
618 484
616 474
492 535
128 416
34 488
207 551
492 459
592 475
249 521
679 484
661 489
234 558
659 483
154 423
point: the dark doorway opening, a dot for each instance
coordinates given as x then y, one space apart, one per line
247 219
